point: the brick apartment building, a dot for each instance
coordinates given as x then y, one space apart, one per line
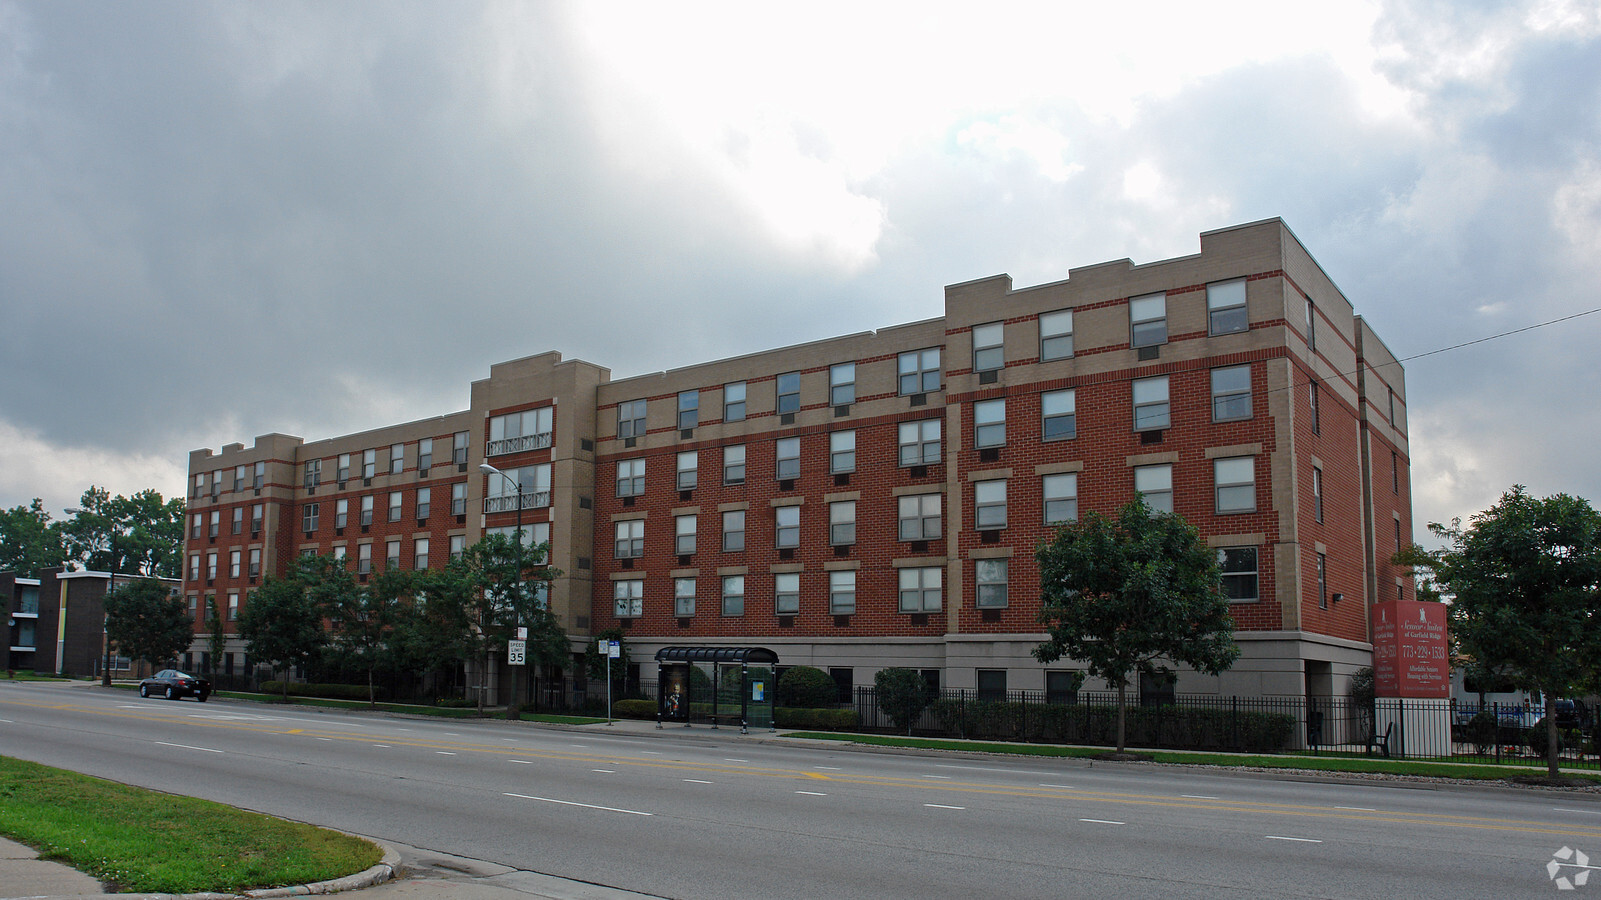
875 499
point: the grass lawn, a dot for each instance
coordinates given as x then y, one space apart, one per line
144 841
1236 760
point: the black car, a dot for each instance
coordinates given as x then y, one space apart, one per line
172 684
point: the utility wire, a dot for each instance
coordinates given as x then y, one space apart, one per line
1501 335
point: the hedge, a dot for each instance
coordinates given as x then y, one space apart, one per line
1163 726
326 691
786 717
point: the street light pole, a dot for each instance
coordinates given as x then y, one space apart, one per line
111 585
512 712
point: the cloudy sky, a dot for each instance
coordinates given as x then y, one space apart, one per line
222 220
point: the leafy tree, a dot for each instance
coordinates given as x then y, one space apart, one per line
1525 583
282 625
807 687
433 630
29 541
903 695
361 618
148 533
595 661
216 640
1122 594
146 622
508 583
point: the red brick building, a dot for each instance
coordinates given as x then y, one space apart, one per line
875 499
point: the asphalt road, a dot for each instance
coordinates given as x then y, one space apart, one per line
696 814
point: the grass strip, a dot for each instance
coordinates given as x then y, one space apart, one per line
139 840
1313 763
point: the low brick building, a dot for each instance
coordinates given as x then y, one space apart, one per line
875 499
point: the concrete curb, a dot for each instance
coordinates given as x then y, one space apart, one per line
378 874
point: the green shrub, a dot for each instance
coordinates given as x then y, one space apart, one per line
902 695
1538 738
1189 729
326 691
634 709
454 702
1480 731
816 719
808 687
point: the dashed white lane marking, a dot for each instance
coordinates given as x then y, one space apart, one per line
1102 822
325 739
632 812
1275 837
1197 797
942 806
444 753
937 776
1588 812
695 781
651 752
830 768
1358 808
187 747
730 759
522 762
605 771
812 793
1067 787
383 746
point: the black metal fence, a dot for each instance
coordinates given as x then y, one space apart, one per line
1413 729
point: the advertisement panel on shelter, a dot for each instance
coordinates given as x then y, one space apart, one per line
1409 650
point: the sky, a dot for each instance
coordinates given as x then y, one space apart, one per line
221 220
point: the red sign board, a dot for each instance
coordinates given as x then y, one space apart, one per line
1409 650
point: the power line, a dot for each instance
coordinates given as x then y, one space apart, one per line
1501 335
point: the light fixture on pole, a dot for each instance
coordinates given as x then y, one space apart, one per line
512 712
111 585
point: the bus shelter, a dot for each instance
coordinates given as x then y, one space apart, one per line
719 685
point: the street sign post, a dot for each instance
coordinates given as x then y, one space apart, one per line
613 650
516 652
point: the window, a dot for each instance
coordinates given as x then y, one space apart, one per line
369 463
989 501
684 535
397 458
842 384
458 448
1057 410
1156 484
211 566
419 554
194 526
919 371
1150 403
1225 307
683 597
533 534
200 483
425 502
216 483
366 510
1317 493
919 517
394 506
1060 497
733 595
989 352
688 472
256 513
1056 335
989 423
733 531
992 685
1312 405
239 477
842 523
364 559
1392 410
216 523
1234 479
786 593
342 474
259 476
458 499
1311 326
842 452
526 485
734 464
1061 688
919 443
1231 393
233 564
631 478
339 553
920 590
308 517
786 527
1147 317
194 567
788 392
734 402
631 419
688 409
842 592
255 562
630 539
1398 535
1322 581
990 575
628 598
233 607
425 454
458 545
341 513
1395 472
788 450
313 473
392 555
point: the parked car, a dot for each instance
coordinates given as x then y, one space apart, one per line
173 684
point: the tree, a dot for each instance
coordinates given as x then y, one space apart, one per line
361 618
216 640
29 541
282 626
508 583
1525 584
903 695
1123 594
433 631
595 662
146 622
138 535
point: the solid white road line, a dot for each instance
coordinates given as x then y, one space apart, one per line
187 747
632 812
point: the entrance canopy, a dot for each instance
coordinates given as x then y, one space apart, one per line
742 655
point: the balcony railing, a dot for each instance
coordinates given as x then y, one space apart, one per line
518 444
508 503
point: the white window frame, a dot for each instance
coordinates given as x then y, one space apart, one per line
786 527
341 513
1152 409
920 589
1231 402
842 592
842 384
924 450
1147 320
425 454
734 531
684 597
458 499
684 535
1226 312
734 464
255 563
308 517
1317 493
458 546
787 393
631 477
733 595
628 539
786 593
419 554
1234 481
363 559
233 563
918 372
842 452
734 401
458 448
688 409
392 555
367 505
1238 574
397 458
1059 497
989 504
1156 484
990 577
989 347
1059 410
842 523
631 418
369 463
787 458
989 423
425 502
688 473
1056 335
397 503
628 598
919 517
